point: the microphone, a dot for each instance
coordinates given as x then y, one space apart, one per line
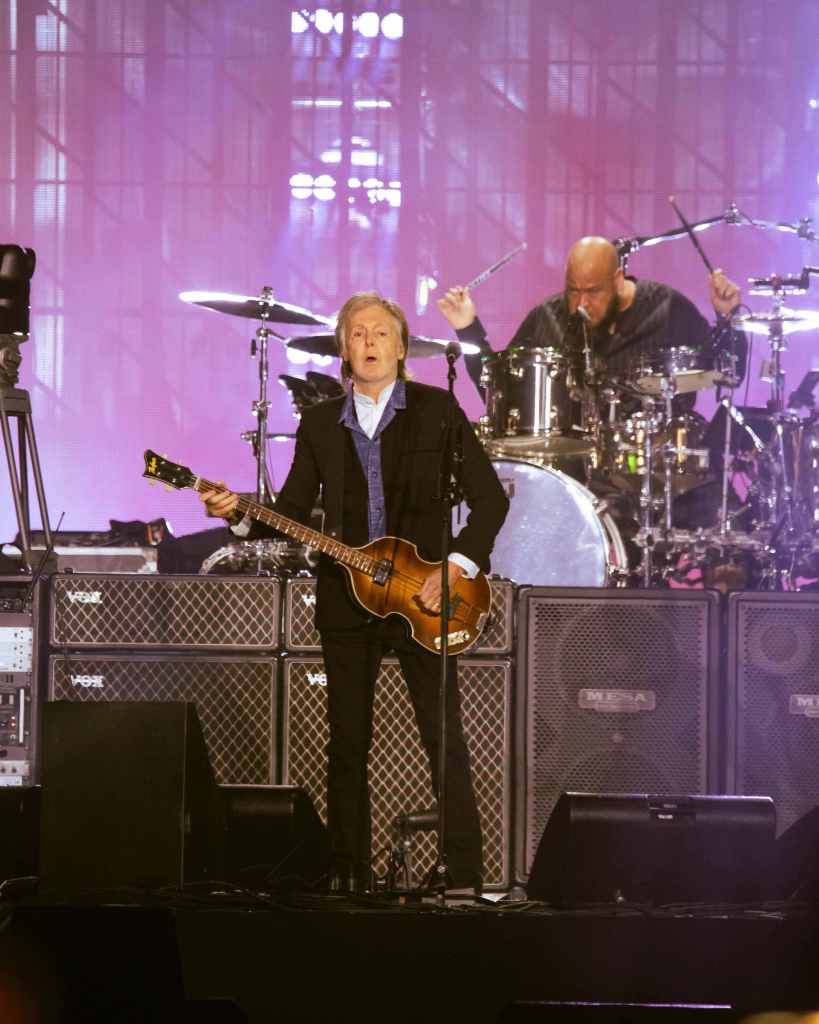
580 318
452 351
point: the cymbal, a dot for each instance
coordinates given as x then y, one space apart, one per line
789 320
419 348
255 307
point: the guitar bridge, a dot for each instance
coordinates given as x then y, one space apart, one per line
383 571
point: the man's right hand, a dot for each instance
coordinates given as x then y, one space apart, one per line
458 307
220 504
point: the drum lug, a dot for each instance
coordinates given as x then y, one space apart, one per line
484 427
512 422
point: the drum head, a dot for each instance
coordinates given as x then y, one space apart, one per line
552 535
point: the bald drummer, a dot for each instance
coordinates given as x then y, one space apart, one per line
631 320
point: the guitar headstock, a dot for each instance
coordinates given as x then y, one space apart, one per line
158 468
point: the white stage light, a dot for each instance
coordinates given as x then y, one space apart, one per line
392 26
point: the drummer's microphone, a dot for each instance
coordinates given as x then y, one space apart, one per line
452 351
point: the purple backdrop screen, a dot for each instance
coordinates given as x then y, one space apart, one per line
155 146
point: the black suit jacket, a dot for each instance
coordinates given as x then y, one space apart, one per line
411 450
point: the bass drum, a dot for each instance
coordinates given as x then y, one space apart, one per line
554 535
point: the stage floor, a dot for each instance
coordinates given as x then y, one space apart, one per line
331 959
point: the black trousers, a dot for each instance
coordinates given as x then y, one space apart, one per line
352 659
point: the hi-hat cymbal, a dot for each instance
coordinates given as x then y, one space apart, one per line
256 307
786 321
419 348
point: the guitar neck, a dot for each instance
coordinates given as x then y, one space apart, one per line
312 538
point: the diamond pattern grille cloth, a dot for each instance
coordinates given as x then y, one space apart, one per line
236 701
165 611
612 644
301 635
399 776
778 751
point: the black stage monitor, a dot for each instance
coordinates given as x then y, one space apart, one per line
637 848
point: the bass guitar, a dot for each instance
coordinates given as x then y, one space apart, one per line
385 575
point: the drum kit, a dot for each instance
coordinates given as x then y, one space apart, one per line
598 469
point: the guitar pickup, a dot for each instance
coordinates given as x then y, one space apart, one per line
383 571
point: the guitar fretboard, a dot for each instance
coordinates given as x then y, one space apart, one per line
312 538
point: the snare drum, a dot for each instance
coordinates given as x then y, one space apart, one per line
555 534
531 411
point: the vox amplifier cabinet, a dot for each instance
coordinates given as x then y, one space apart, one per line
235 698
399 775
121 610
21 606
300 635
616 694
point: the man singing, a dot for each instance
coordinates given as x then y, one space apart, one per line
375 455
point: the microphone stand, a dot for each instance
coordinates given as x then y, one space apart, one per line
450 491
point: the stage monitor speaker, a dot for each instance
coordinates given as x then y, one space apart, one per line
128 798
615 693
209 613
275 838
773 694
235 698
399 775
636 848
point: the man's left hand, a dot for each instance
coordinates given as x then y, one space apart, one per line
429 596
725 295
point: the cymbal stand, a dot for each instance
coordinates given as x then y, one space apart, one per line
668 389
646 499
260 407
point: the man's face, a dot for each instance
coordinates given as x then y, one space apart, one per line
596 290
372 346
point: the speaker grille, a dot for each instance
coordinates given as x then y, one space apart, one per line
399 776
614 692
236 701
206 612
301 635
773 660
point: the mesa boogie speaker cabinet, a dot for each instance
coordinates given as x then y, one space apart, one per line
300 634
773 692
235 698
615 694
118 610
399 776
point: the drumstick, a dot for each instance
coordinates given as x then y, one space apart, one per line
486 274
691 235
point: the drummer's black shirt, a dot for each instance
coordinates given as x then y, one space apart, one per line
659 318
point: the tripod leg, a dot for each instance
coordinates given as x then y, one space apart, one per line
16 492
38 479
